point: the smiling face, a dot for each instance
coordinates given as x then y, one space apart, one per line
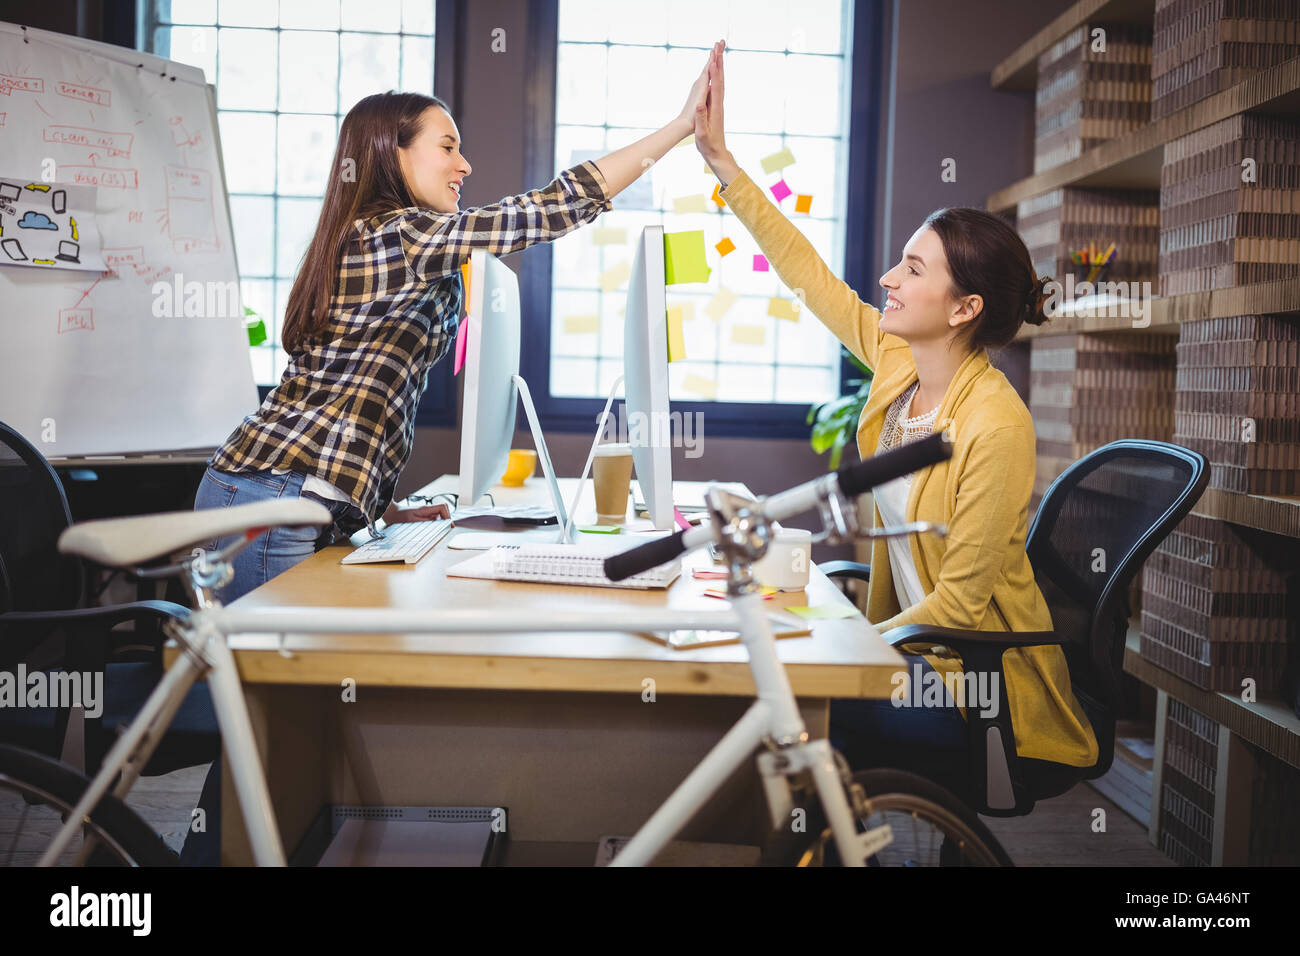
432 165
918 304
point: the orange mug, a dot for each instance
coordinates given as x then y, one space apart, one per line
519 467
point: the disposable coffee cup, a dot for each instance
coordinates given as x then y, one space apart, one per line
786 564
611 474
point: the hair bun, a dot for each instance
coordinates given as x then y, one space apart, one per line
1034 300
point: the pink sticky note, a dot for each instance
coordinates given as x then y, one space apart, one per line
681 520
760 263
462 345
780 190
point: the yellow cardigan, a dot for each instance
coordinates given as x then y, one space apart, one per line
978 577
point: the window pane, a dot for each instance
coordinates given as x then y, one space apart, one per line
309 70
247 13
186 11
196 46
248 151
382 16
252 216
247 70
417 16
369 66
748 352
295 223
417 64
305 154
309 15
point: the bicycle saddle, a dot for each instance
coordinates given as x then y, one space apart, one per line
128 542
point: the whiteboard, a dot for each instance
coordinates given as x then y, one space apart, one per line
150 355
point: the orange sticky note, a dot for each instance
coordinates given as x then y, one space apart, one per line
717 198
725 246
803 203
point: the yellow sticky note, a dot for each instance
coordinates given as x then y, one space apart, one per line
748 334
684 257
720 303
778 161
717 196
697 203
782 309
701 386
615 276
581 324
676 341
688 141
725 246
608 236
803 203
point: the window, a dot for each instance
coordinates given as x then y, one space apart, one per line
621 71
286 73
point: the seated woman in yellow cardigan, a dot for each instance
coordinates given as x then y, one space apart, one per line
965 283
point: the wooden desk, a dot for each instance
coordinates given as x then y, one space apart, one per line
579 735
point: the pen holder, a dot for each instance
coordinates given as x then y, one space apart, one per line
1081 273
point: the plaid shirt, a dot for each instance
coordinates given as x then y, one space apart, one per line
344 410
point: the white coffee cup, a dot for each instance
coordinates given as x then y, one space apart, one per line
787 562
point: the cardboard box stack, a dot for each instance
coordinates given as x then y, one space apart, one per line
1187 785
1056 222
1093 85
1200 47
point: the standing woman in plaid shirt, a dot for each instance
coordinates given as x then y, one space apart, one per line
375 304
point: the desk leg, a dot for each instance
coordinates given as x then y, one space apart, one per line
291 730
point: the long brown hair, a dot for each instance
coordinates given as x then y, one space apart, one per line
365 179
987 257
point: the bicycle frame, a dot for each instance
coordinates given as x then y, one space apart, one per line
773 721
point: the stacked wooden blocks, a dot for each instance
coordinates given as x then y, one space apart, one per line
1200 47
1093 85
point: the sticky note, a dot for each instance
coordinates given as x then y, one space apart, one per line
462 345
688 310
717 196
777 161
803 203
760 264
608 236
782 309
780 190
720 303
676 341
824 612
688 141
615 276
701 386
697 203
602 529
581 324
684 257
748 334
725 246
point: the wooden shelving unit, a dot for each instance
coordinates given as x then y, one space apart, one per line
1018 73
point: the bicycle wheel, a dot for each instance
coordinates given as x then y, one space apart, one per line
931 827
36 795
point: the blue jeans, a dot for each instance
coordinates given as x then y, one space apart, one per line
275 551
270 554
930 741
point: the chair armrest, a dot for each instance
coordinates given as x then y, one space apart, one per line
955 637
846 569
110 615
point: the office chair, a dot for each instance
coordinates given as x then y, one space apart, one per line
1123 498
46 625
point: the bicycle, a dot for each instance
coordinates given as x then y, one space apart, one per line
850 819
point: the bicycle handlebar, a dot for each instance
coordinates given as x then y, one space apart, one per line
852 481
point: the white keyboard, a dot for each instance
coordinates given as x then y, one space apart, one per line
407 541
570 564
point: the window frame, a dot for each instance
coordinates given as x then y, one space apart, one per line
725 419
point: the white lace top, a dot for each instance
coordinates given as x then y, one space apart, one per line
891 497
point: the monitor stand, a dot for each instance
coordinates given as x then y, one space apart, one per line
567 533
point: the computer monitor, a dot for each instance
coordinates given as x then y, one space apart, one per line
645 374
491 362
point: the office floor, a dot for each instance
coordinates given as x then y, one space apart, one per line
1058 833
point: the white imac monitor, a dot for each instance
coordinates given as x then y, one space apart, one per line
491 363
645 373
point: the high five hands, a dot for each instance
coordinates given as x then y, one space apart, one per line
709 127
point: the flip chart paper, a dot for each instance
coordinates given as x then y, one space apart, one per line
684 257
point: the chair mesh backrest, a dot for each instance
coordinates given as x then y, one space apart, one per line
1097 524
33 512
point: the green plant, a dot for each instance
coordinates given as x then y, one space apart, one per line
835 422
